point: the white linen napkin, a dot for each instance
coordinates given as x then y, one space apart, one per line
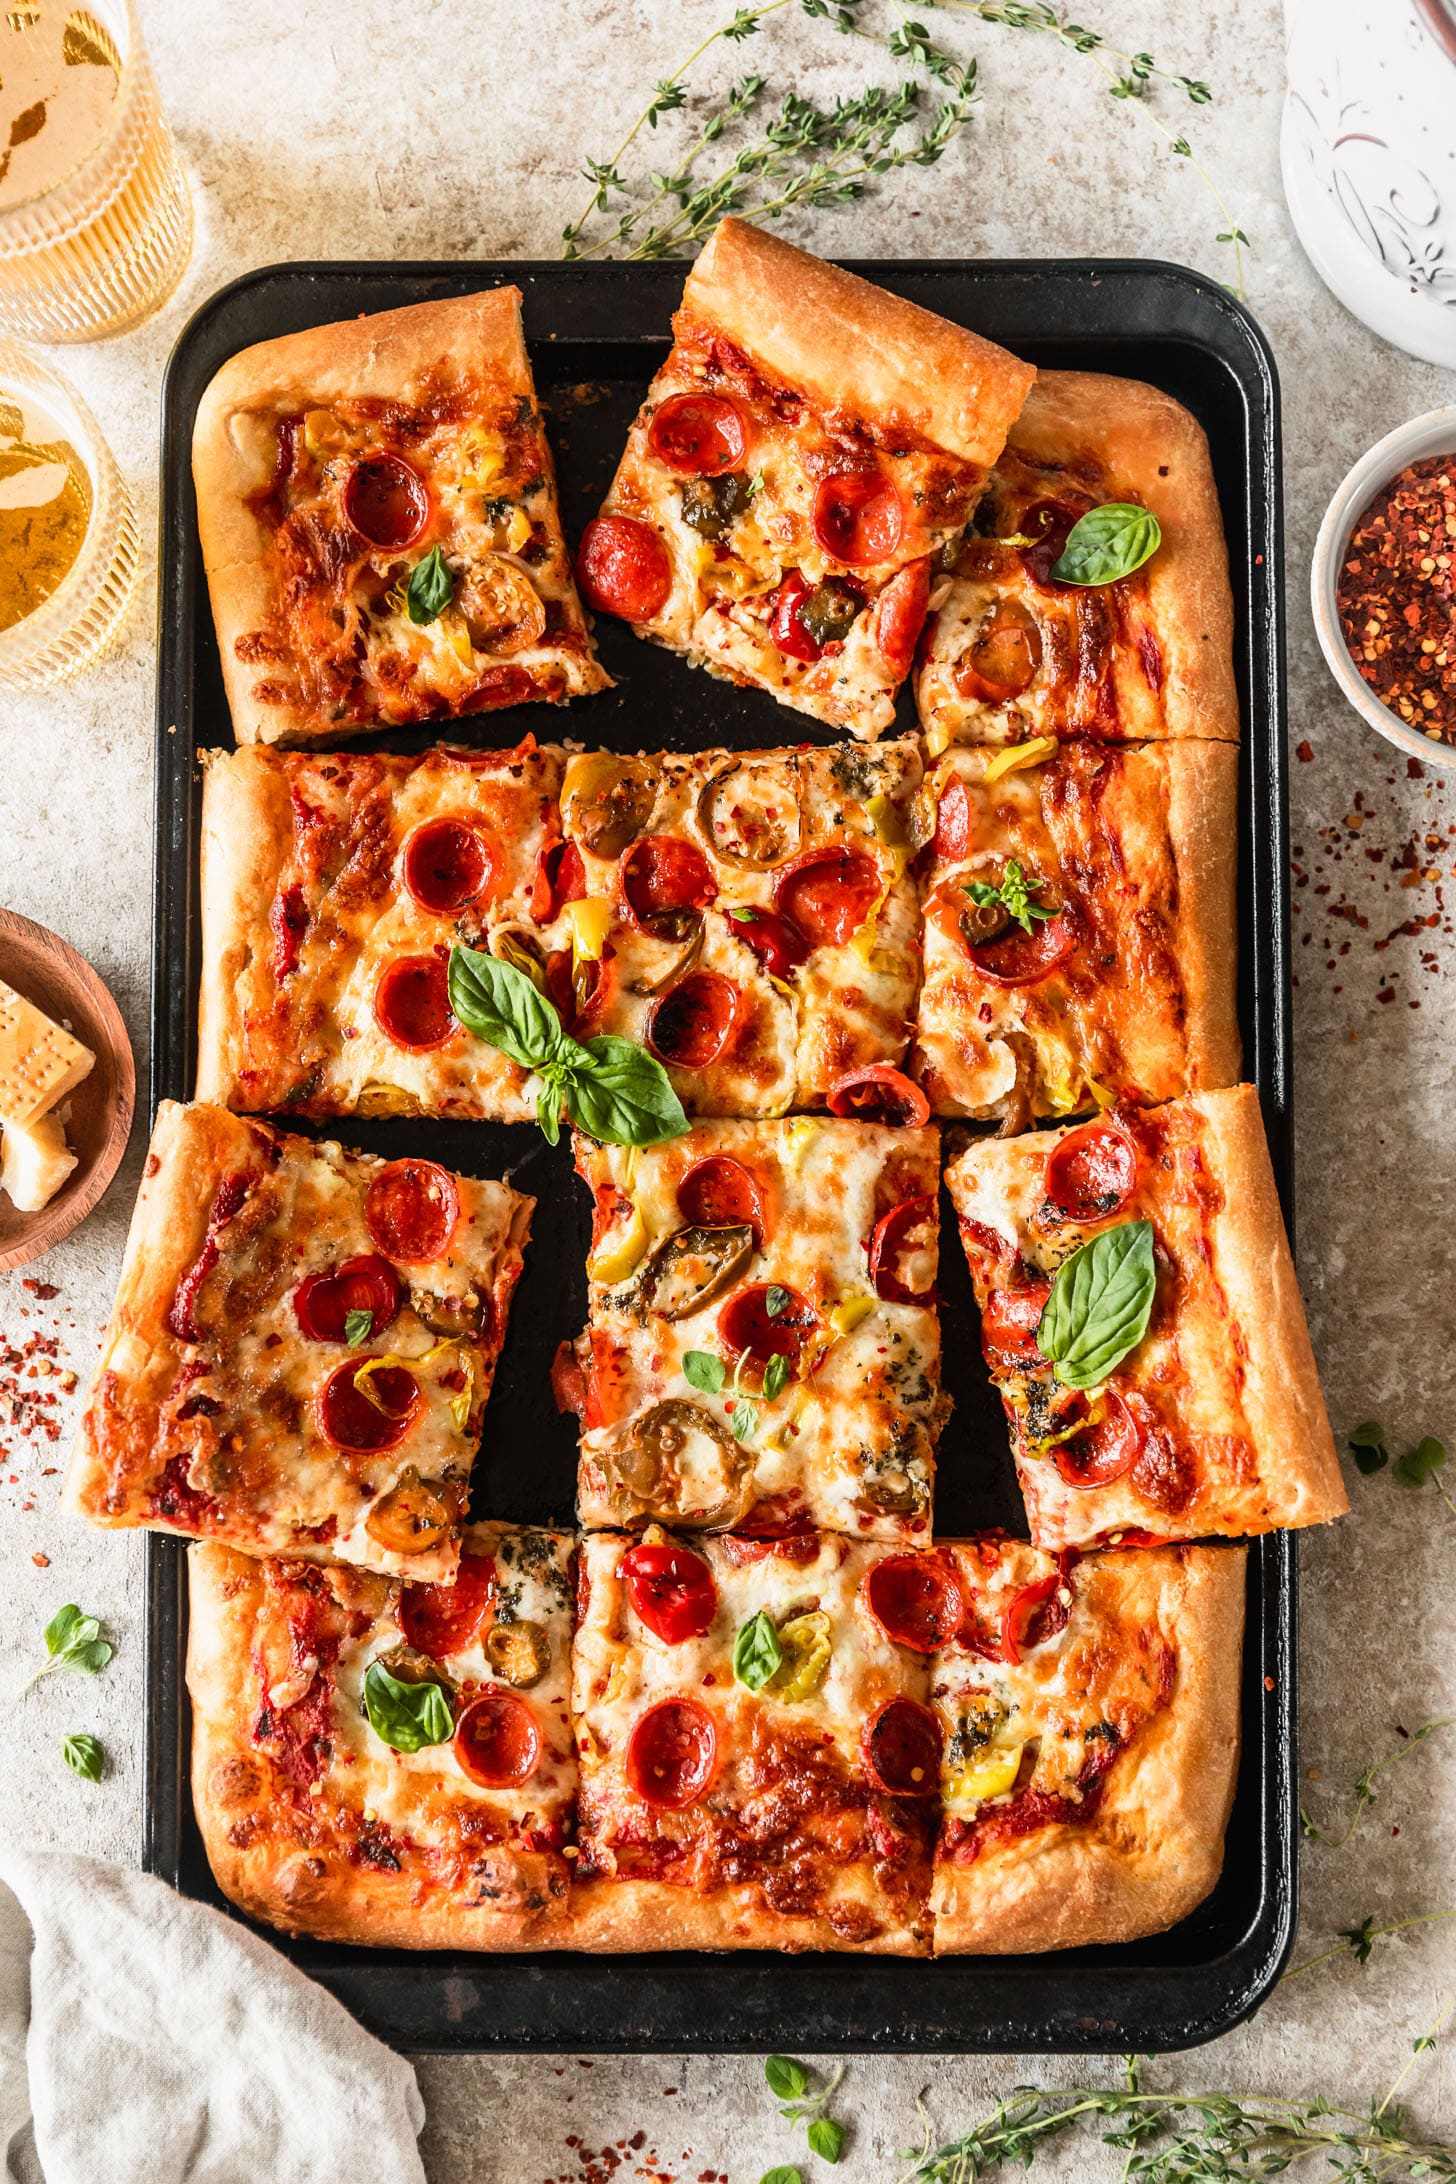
148 2040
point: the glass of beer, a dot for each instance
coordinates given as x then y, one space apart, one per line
95 220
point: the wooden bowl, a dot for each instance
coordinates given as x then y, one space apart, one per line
48 971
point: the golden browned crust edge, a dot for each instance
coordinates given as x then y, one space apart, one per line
1155 1849
247 828
1203 791
851 344
1151 446
629 1917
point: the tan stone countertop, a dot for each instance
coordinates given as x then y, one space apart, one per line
455 128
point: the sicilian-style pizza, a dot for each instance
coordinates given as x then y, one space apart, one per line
1013 651
1142 1321
388 1763
1078 928
763 1350
301 1348
379 525
808 450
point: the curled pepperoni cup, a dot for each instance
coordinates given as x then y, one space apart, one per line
720 1193
1034 1615
672 1754
881 1093
363 1408
666 885
498 1741
1004 658
953 823
778 945
447 866
623 568
900 1747
698 435
445 1619
411 1209
859 517
324 1303
1009 1321
1105 1447
1092 1172
412 1003
560 878
671 1590
386 502
917 1600
826 894
903 1251
1018 958
767 1321
693 1024
899 616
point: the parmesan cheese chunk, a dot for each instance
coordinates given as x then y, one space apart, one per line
34 1161
39 1062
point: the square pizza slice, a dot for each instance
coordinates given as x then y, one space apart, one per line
750 919
380 529
334 885
763 1350
1143 1325
1089 1717
1079 928
1014 652
382 1763
810 446
301 1347
758 1759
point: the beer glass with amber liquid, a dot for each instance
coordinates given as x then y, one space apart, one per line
95 220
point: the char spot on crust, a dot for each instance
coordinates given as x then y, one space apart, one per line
235 1781
300 1882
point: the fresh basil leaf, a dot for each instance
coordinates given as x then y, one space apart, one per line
704 1371
621 1094
1419 1463
783 2175
776 1376
406 1716
984 897
1013 895
73 1640
1107 543
84 1756
757 1654
500 1005
776 1301
430 589
826 2138
745 1419
787 2080
548 1108
1100 1304
1370 1446
358 1327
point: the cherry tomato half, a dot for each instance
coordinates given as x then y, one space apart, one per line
445 1619
447 865
323 1302
859 517
879 1093
498 1740
917 1600
560 878
826 894
412 1003
904 1242
672 1754
350 1420
692 1025
719 1192
623 568
697 435
786 625
410 1209
900 1747
671 1590
1092 1172
386 502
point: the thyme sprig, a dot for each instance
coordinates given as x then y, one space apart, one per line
1359 1941
1365 1790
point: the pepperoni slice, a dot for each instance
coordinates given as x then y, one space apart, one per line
1048 524
1092 1172
623 568
786 626
907 1234
826 894
445 1619
664 882
779 946
323 1302
953 823
859 517
386 502
447 865
1004 658
719 1192
899 614
560 878
498 1740
917 1600
352 1421
412 1003
900 1746
698 435
671 1590
1019 958
693 1023
1009 1321
411 1209
499 687
1033 1615
672 1754
568 1380
752 1332
880 1093
1104 1452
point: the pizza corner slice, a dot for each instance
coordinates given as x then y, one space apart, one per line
301 1348
379 526
383 1763
1089 1716
1078 928
763 1348
757 1754
810 446
750 918
1132 639
1143 1325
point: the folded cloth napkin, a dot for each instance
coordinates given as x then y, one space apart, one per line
147 2040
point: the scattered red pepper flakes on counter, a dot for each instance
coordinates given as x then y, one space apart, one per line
1396 596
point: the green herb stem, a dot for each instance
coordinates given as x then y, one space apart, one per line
1360 1939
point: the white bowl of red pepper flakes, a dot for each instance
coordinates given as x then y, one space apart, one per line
1383 586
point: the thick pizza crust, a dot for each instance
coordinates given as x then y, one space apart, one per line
627 1917
247 834
1203 797
1154 1849
853 345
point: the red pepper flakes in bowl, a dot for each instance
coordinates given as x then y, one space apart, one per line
1396 596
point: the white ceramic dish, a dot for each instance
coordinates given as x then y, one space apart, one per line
1432 434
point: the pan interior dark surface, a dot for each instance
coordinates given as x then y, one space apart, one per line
596 335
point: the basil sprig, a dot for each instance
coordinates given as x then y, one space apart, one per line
1100 1304
610 1088
1107 543
1013 895
430 589
757 1654
73 1640
84 1756
407 1716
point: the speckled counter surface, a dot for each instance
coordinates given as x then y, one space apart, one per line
454 128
